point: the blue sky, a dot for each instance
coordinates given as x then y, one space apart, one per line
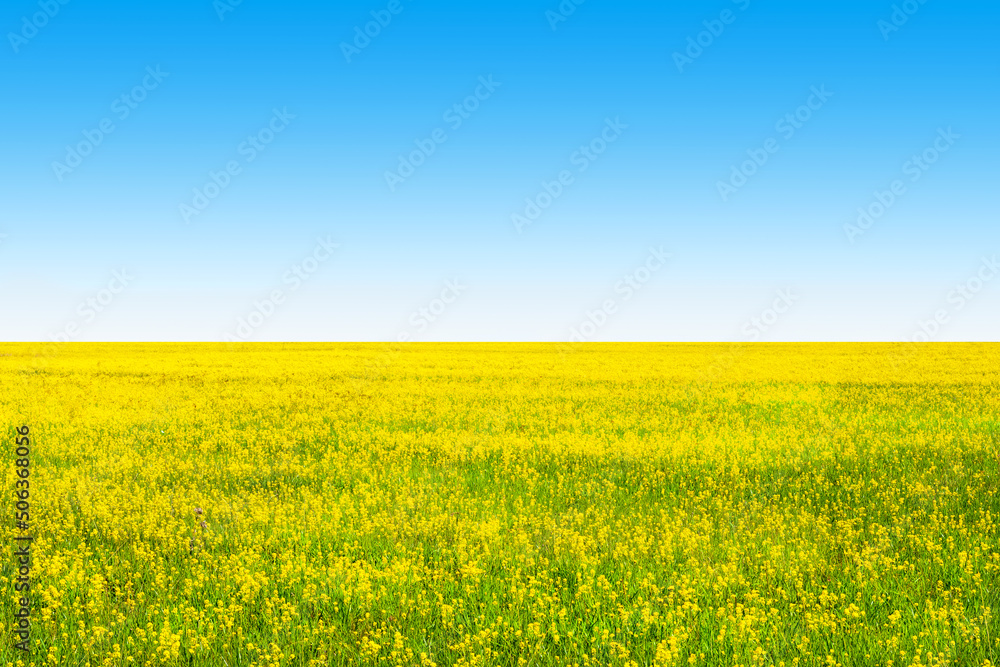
246 141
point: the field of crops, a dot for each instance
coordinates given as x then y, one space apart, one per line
501 504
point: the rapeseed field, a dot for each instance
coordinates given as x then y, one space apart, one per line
505 504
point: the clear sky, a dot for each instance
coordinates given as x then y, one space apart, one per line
525 170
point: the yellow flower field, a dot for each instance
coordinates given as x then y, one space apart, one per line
503 504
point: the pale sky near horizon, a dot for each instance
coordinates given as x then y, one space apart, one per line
727 170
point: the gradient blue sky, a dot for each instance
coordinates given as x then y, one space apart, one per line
656 186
